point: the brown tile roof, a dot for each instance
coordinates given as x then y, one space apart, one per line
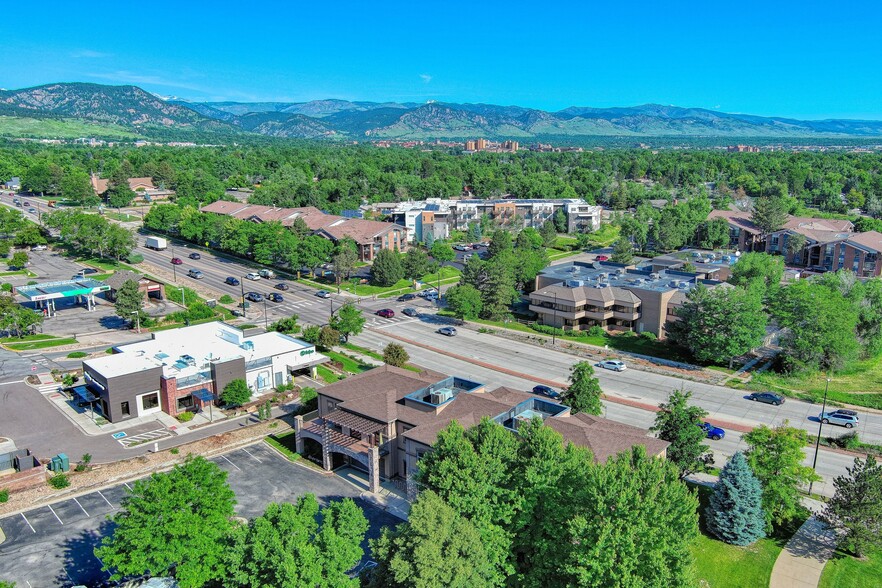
359 230
870 240
589 294
381 380
121 277
738 218
223 207
313 217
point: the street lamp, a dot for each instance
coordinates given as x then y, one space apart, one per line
244 311
265 317
137 318
174 267
820 425
331 300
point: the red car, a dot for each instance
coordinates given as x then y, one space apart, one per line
386 313
602 258
177 261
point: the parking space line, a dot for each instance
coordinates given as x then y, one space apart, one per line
81 508
252 455
231 463
126 484
49 506
28 523
105 500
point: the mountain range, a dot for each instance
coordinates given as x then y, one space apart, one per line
132 111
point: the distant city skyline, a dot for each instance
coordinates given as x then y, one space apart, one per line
806 60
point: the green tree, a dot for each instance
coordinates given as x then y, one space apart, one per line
236 393
678 423
119 194
775 455
155 530
345 258
498 289
312 252
855 510
19 260
795 246
464 301
719 324
475 232
386 269
328 337
129 301
735 513
76 188
395 355
549 233
29 235
770 213
286 325
758 269
583 393
713 234
435 547
416 263
348 321
442 253
623 252
560 220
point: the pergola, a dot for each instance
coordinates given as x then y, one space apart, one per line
356 424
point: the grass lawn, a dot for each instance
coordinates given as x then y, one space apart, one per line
859 384
448 275
38 337
327 375
604 236
286 444
844 571
555 254
106 265
349 364
42 344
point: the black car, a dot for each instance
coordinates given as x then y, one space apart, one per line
406 297
195 256
767 397
254 296
275 297
232 281
546 391
282 286
410 312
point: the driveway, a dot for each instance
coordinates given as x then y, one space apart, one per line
53 545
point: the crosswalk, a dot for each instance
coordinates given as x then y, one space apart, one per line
144 438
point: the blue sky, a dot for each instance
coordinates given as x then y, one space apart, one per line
805 59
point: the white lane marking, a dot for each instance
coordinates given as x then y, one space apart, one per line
81 508
28 523
231 463
126 484
251 454
105 500
56 514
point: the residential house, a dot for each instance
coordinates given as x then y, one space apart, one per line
13 183
143 188
384 420
147 286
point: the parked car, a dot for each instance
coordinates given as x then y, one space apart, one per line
254 296
839 418
461 247
845 411
767 397
410 311
546 391
39 248
195 274
88 270
712 432
275 297
237 312
406 297
253 276
612 364
448 331
195 256
477 245
602 258
323 294
232 281
282 286
177 261
386 313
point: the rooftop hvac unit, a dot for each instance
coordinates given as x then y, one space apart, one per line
683 285
574 283
654 276
674 284
441 396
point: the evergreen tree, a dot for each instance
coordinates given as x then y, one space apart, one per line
770 213
386 269
549 233
677 423
416 263
129 300
395 355
583 393
735 513
856 508
623 252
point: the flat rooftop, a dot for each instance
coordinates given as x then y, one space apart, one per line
62 289
576 274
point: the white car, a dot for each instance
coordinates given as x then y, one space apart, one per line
612 364
253 276
39 248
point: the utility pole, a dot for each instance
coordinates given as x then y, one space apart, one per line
820 426
554 310
244 311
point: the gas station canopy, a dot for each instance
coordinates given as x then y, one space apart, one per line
62 289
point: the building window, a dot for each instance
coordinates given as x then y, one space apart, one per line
186 402
263 380
150 401
279 380
124 409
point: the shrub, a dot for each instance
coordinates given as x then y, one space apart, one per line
68 380
4 495
59 481
596 331
847 441
395 355
226 299
186 417
109 351
236 393
134 258
77 354
649 336
174 451
84 462
309 399
6 287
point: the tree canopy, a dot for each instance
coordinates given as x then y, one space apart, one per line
678 423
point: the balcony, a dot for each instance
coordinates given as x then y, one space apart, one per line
626 314
597 314
550 311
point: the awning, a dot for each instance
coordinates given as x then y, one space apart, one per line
354 422
204 394
84 394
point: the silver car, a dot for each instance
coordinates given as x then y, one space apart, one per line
839 418
612 364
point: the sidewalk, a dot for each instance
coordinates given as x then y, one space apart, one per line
802 560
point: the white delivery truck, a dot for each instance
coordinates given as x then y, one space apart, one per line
266 273
157 243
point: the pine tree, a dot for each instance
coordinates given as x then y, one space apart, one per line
735 514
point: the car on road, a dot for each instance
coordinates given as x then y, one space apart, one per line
323 294
406 297
194 256
237 312
177 261
615 365
546 391
447 331
427 292
839 418
386 313
254 296
267 273
767 397
26 203
39 248
712 432
410 311
253 276
32 210
195 274
232 281
282 286
275 297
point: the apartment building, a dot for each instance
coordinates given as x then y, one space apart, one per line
577 296
384 420
186 369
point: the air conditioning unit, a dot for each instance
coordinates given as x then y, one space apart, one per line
441 396
683 285
574 283
654 276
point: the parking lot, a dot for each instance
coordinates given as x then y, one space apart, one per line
53 545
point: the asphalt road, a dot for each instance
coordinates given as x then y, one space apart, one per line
53 545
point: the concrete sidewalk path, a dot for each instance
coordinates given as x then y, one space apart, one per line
802 560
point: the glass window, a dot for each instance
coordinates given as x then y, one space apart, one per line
124 408
149 401
185 402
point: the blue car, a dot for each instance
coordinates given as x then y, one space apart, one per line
546 391
713 432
